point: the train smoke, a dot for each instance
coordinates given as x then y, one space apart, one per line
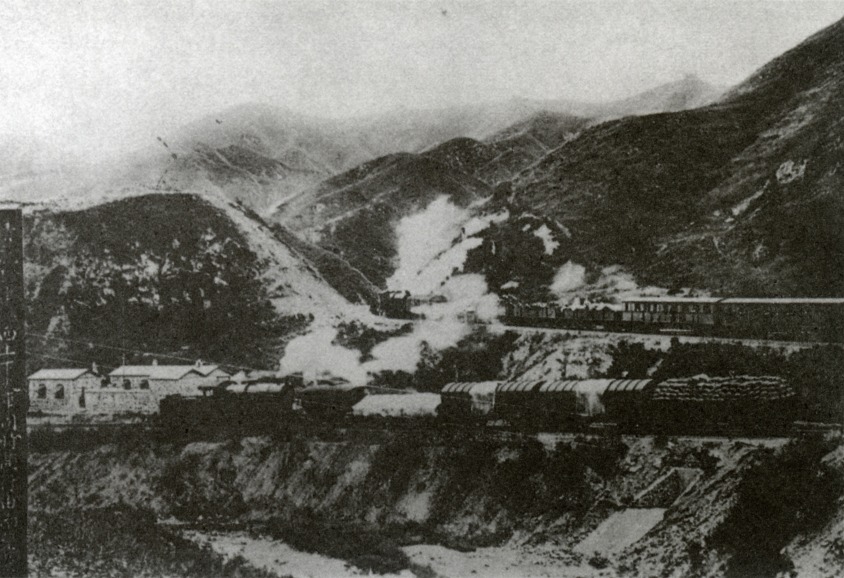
569 277
316 355
432 245
432 248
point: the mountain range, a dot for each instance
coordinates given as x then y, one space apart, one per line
735 197
257 223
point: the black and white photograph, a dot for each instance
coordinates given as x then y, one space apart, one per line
422 288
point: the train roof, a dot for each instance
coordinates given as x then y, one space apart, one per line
787 300
674 300
471 387
509 386
742 300
576 386
339 388
258 387
411 404
702 388
628 385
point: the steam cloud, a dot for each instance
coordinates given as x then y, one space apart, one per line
432 249
569 277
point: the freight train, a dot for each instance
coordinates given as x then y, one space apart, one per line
689 405
791 319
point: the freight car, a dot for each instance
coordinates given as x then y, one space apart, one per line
699 405
410 410
467 402
257 406
555 405
329 402
691 405
721 405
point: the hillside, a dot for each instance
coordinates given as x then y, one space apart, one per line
171 273
738 196
355 214
735 197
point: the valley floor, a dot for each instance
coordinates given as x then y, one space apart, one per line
432 505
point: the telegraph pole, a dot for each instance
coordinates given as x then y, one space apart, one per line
13 398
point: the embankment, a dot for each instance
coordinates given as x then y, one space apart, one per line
461 490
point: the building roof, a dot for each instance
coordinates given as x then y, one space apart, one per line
163 372
67 374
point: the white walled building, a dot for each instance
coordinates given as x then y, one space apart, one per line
130 389
164 380
61 390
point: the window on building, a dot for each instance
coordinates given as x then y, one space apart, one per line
144 384
42 391
127 384
59 391
82 399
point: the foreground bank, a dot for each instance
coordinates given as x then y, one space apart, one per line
450 503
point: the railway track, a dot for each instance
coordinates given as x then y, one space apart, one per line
351 430
682 337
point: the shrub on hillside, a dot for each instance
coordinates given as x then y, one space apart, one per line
786 494
121 541
367 550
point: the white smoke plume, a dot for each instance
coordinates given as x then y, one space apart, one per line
569 277
316 355
613 284
432 247
434 243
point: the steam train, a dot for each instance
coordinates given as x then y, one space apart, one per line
791 319
690 405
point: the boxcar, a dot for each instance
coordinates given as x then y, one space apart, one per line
329 402
515 402
625 403
467 401
569 404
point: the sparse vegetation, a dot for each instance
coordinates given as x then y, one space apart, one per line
365 548
151 273
121 541
785 494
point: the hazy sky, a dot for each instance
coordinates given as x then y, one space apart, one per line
120 72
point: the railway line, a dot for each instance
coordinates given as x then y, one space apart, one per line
667 337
